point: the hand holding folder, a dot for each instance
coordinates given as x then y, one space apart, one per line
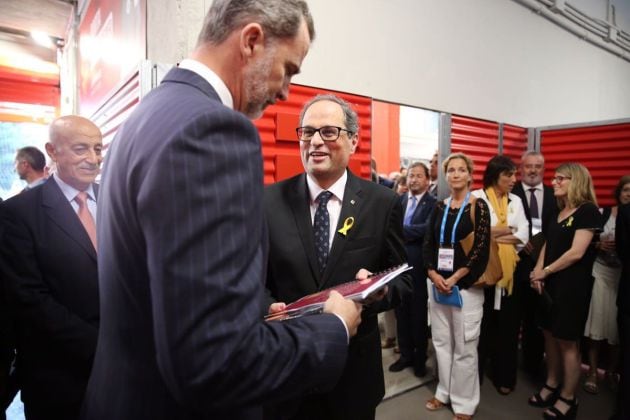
453 299
357 290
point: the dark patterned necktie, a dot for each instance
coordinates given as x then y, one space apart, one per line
533 204
321 228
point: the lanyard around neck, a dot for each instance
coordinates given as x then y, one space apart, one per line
459 215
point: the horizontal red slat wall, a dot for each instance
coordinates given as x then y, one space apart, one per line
280 146
514 142
478 139
604 150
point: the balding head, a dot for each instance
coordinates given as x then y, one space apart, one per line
75 145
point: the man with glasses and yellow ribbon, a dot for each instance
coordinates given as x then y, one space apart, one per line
324 226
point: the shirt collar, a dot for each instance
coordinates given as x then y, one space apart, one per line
537 187
418 196
337 188
210 77
36 183
70 192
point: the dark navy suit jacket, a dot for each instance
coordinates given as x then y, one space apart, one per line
622 243
182 254
414 234
549 204
49 266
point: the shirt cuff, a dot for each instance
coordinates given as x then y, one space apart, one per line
346 328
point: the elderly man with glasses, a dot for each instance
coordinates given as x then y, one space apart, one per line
324 226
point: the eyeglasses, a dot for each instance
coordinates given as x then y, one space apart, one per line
326 133
559 178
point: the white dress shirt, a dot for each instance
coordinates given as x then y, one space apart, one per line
211 77
71 193
334 204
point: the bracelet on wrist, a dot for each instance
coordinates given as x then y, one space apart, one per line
547 271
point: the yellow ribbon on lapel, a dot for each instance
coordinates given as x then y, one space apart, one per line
347 225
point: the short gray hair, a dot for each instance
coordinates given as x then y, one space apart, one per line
350 116
532 153
278 18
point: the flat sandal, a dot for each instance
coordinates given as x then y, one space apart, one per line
434 404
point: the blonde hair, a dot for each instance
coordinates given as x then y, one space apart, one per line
469 164
581 186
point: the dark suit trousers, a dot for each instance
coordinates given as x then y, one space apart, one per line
623 395
37 412
317 408
412 320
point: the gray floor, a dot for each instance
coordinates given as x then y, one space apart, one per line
410 405
406 395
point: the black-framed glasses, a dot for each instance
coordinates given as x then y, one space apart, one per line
559 178
326 133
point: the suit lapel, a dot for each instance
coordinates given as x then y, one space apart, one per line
421 205
300 206
351 207
60 212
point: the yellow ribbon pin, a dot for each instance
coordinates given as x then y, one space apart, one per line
570 221
347 225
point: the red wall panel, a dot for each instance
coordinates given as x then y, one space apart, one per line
26 87
478 139
514 142
280 146
604 150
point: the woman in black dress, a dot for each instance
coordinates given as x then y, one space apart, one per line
563 276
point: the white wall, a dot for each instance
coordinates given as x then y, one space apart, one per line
490 59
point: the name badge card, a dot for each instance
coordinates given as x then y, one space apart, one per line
446 257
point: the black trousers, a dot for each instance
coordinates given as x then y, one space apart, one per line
498 342
412 320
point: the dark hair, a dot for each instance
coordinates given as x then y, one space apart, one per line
617 191
33 156
351 119
278 18
496 166
419 165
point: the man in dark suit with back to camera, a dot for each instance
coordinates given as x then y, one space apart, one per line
622 244
183 244
411 316
541 207
48 252
30 163
324 226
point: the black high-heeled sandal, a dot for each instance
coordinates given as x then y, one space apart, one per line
539 401
554 414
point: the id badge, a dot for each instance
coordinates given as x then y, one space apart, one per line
446 257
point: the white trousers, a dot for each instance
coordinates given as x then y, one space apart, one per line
455 334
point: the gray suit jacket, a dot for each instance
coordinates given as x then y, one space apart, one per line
182 257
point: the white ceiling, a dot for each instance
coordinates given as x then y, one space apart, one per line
50 16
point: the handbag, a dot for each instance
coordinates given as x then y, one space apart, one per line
454 299
493 272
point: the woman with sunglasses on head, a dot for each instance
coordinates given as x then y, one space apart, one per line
510 229
563 276
455 330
